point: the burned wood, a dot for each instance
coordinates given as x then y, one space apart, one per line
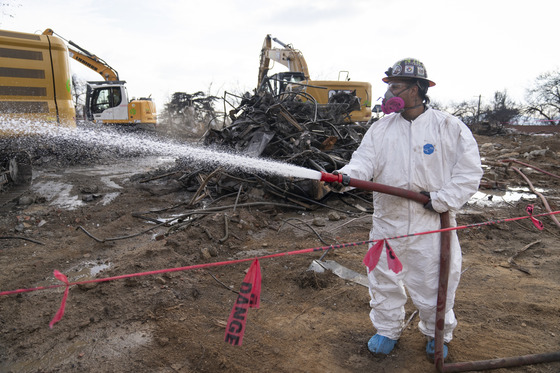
226 229
263 125
21 238
102 240
291 128
511 259
286 194
205 181
158 177
287 221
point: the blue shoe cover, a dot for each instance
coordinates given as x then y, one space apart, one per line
379 344
431 350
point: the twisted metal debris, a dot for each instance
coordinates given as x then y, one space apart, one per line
289 129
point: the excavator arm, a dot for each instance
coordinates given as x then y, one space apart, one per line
88 59
107 101
288 56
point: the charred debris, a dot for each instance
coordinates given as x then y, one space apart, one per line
304 133
321 137
278 127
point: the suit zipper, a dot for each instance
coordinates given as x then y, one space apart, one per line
409 171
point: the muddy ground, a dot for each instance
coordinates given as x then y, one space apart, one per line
508 302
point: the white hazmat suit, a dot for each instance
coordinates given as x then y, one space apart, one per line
435 153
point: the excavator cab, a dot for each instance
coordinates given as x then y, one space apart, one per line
280 82
105 98
106 101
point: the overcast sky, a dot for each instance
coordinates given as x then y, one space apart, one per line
469 48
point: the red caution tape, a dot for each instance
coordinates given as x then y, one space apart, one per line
394 263
58 316
249 297
252 282
536 223
374 253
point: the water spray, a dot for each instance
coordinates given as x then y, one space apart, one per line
37 133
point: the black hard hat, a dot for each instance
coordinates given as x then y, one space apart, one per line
408 68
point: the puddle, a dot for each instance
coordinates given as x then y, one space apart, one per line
110 183
493 198
109 197
86 270
57 194
124 168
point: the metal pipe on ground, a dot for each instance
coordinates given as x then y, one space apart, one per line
530 166
440 365
508 362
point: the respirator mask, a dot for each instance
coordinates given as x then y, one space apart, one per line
392 103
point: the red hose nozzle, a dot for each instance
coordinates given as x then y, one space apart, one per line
335 178
331 178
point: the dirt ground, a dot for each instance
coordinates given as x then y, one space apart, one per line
508 302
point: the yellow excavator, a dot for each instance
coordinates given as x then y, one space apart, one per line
107 101
35 95
298 80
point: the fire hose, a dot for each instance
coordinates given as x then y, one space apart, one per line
442 285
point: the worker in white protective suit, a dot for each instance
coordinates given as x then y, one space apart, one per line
421 149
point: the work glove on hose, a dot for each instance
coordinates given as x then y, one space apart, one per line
336 186
428 205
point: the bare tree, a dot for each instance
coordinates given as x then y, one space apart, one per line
543 99
189 114
465 110
79 92
501 110
7 8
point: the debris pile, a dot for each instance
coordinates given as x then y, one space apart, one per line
282 128
205 185
487 128
300 132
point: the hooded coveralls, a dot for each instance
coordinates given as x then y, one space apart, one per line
435 153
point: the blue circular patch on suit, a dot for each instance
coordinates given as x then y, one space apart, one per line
428 149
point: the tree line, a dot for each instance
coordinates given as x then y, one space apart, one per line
541 106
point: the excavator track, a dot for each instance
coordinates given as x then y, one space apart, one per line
15 176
